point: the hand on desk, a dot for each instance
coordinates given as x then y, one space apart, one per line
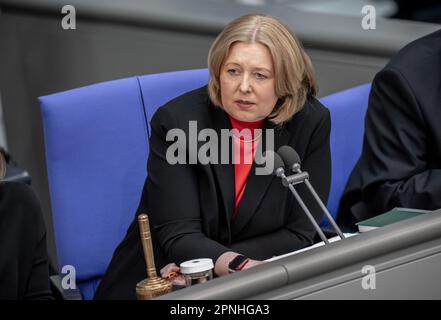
171 272
252 263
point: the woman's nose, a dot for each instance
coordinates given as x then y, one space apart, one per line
245 85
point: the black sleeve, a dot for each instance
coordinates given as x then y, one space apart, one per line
396 171
38 286
299 232
24 270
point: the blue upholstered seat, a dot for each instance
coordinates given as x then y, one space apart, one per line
347 108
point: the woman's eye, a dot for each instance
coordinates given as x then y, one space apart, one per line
260 76
233 72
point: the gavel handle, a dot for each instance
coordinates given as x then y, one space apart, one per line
146 240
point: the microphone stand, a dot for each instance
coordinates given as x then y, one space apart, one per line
325 210
280 172
302 176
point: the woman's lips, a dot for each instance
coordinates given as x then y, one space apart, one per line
243 104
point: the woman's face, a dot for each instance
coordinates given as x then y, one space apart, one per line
247 82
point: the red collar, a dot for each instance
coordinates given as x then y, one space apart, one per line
240 125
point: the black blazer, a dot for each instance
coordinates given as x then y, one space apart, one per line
24 269
191 206
400 164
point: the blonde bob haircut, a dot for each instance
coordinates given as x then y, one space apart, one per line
294 74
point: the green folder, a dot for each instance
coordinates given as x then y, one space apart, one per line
392 216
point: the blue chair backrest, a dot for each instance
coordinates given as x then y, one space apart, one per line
157 89
348 108
96 140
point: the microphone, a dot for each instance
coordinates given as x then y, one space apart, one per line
279 170
292 160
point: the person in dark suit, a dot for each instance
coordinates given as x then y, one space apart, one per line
24 269
423 10
400 164
261 81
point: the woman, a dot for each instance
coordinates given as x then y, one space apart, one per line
260 78
24 269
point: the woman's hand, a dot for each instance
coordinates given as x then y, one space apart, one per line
221 266
171 272
252 263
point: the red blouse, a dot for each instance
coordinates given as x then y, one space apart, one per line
246 140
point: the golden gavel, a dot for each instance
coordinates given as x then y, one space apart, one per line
153 286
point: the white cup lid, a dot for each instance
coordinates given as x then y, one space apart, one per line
196 265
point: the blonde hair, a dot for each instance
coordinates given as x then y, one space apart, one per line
294 74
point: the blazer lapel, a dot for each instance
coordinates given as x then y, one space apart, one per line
257 185
224 172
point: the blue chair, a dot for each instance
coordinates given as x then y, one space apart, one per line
348 108
96 140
